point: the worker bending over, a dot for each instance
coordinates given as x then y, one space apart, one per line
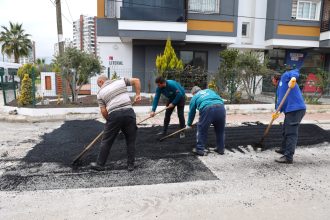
211 111
116 107
175 94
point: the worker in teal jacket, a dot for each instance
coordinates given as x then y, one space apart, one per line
211 111
175 94
294 109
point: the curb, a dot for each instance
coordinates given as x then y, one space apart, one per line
62 114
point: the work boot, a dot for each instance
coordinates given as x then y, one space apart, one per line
130 167
214 149
284 159
279 151
199 153
219 152
182 135
97 167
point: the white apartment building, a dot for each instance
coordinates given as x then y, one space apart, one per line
84 34
67 43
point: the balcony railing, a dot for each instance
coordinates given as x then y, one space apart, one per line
152 10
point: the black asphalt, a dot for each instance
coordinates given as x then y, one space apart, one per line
157 162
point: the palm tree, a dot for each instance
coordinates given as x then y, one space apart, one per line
40 62
15 41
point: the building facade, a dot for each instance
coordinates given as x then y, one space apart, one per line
84 34
131 33
67 43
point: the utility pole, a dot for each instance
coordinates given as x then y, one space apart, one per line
60 45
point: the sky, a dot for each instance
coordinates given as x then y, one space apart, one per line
39 20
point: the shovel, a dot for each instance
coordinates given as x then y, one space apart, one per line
174 133
259 144
86 149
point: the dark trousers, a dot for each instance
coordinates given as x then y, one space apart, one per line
124 120
216 115
168 113
290 132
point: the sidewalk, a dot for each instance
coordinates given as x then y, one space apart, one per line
236 114
234 117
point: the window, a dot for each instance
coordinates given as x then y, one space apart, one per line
276 58
245 30
110 8
194 58
306 10
204 6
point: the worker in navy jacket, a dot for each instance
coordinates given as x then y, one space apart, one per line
294 109
175 94
211 111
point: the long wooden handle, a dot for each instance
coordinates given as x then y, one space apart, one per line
88 147
100 135
174 133
156 113
277 110
283 100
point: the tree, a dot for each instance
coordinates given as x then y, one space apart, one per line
228 72
56 67
321 86
78 66
40 64
15 41
168 61
26 96
26 69
252 67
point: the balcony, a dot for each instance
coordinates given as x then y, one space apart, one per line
325 26
325 17
154 10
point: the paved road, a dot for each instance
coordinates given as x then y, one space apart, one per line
249 185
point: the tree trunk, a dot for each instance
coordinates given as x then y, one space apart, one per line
74 86
16 58
71 88
78 90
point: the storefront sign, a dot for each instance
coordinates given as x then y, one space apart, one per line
113 62
296 56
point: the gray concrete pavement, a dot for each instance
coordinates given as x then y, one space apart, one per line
250 184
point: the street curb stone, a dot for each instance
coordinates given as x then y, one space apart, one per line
60 114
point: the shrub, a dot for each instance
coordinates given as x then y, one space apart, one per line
168 61
26 96
114 76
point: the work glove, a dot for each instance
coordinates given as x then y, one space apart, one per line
171 106
292 82
275 115
152 114
188 127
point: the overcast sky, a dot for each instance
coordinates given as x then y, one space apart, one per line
39 19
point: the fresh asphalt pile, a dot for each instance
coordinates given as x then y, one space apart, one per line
48 164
